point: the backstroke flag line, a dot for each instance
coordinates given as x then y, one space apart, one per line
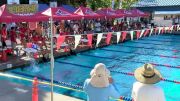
99 37
118 36
77 40
132 34
142 32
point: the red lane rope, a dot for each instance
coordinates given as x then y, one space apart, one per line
167 41
116 71
148 47
162 56
152 43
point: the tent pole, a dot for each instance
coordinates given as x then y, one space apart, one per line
52 58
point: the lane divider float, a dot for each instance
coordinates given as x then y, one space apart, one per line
116 71
164 65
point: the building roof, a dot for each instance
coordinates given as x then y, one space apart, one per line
167 12
152 3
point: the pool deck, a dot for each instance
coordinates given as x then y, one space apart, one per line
16 92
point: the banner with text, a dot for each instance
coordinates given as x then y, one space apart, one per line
23 9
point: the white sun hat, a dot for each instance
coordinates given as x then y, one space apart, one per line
100 76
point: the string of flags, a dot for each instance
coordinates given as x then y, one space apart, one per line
121 36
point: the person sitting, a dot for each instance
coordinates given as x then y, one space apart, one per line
100 86
143 89
72 52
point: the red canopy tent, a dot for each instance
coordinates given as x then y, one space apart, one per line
139 13
6 16
126 13
60 13
109 13
132 13
87 13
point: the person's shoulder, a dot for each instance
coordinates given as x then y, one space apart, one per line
158 89
87 81
111 86
137 83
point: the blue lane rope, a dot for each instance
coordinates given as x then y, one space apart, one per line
116 71
163 39
166 41
65 84
170 38
147 48
163 65
175 57
48 80
163 44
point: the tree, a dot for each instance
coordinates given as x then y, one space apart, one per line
126 4
95 4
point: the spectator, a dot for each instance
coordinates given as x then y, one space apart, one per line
4 34
97 26
76 28
144 90
13 37
99 87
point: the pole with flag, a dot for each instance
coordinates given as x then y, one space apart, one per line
52 58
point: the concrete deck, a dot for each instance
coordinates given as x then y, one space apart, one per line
16 92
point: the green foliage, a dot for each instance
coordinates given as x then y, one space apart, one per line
95 4
126 4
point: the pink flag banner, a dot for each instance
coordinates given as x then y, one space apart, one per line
142 32
146 32
124 34
60 40
156 30
163 30
138 34
89 37
108 39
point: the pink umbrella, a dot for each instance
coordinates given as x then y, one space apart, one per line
87 13
109 13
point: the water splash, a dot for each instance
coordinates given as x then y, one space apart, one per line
33 65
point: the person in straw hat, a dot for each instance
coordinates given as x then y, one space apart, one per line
99 87
144 90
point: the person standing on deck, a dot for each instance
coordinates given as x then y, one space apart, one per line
144 90
100 86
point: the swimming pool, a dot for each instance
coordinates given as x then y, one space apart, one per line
122 59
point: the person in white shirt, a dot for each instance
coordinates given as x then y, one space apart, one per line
143 89
97 26
76 28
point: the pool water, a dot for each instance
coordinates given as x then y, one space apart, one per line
124 57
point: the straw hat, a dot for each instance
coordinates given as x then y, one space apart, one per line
99 76
147 74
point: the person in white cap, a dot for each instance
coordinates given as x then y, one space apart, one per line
99 87
144 90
